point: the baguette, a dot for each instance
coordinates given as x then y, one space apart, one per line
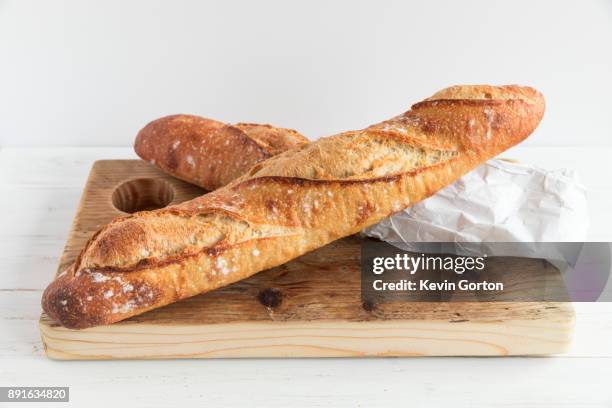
288 205
209 153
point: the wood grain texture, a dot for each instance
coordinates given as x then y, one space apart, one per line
310 307
45 185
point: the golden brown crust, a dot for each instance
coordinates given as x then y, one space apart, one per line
209 153
288 205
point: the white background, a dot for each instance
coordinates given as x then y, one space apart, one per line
42 188
92 73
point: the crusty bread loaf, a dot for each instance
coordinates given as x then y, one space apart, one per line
288 205
209 153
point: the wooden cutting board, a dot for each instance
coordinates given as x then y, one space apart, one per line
310 307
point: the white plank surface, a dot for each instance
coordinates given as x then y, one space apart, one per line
41 189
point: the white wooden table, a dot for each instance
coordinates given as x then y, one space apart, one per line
40 191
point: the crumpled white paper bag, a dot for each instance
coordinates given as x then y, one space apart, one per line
500 201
